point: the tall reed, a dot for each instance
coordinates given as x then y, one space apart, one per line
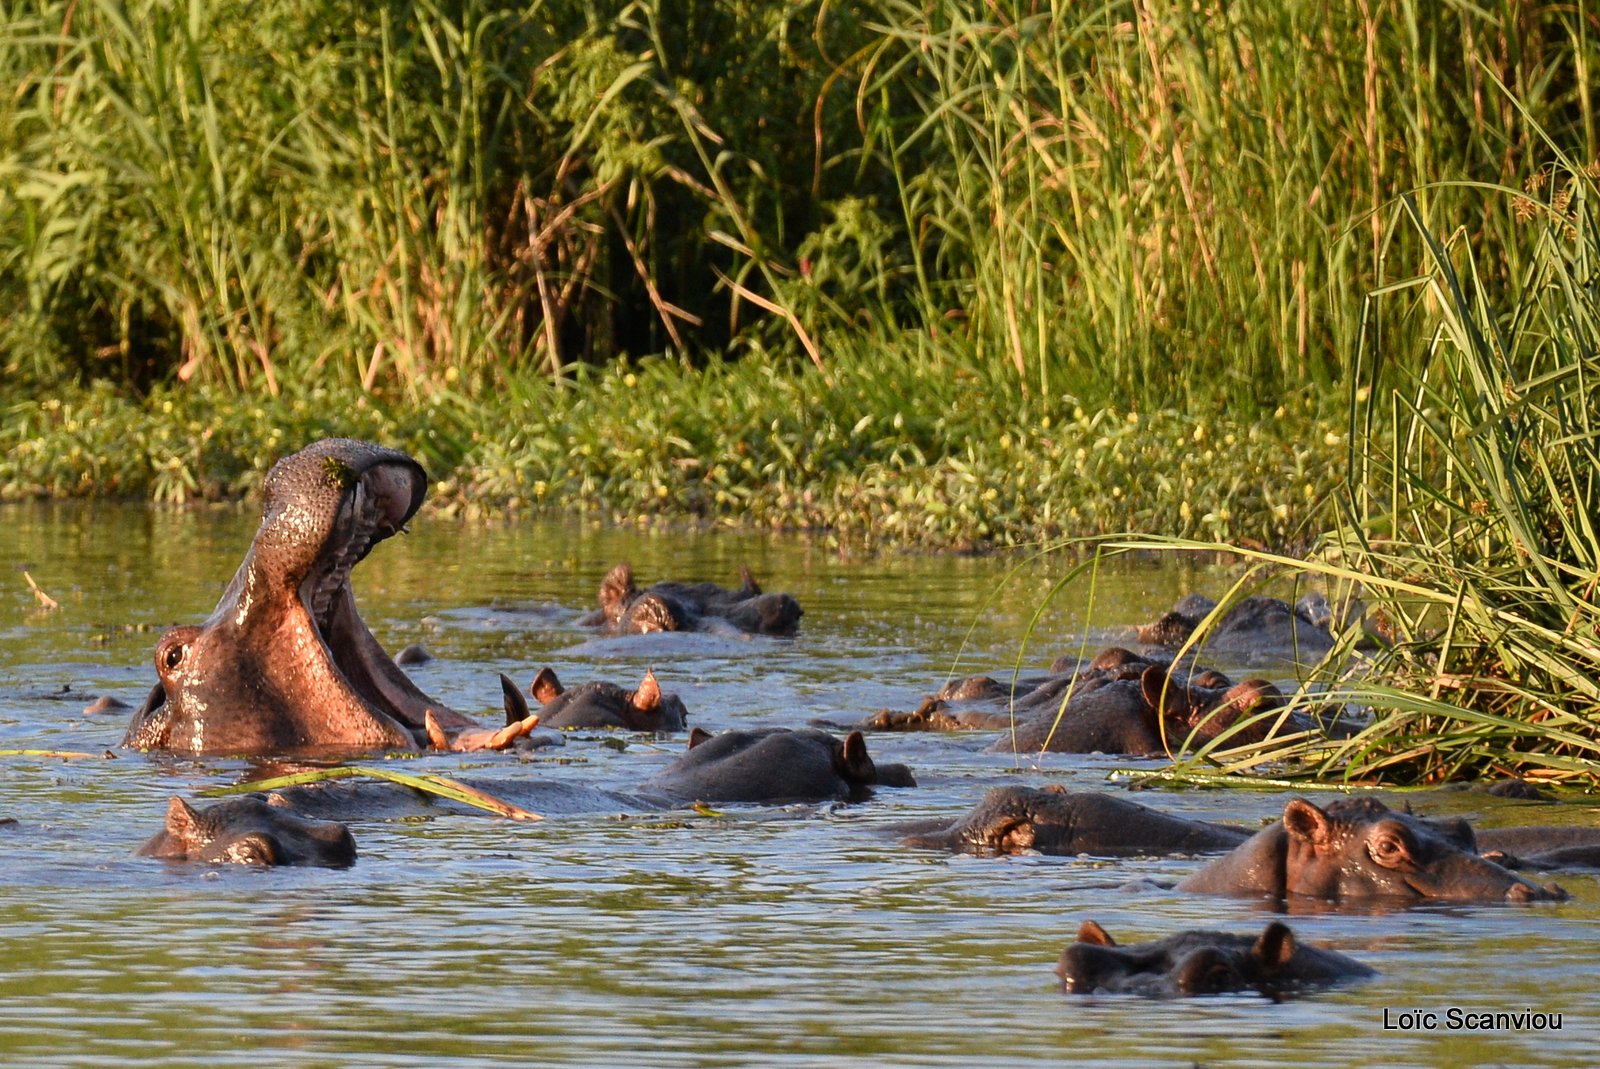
1472 513
1167 204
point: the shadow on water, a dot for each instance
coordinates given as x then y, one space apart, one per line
802 934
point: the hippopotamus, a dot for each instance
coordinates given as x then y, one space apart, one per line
773 765
250 831
625 609
285 663
1542 847
1358 848
763 767
605 705
1157 713
1053 820
1255 629
1274 963
1118 702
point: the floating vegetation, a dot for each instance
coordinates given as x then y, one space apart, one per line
46 602
442 786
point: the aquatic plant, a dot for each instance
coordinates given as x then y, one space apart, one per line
1471 518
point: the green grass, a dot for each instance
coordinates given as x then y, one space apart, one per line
742 443
1470 522
1152 205
931 273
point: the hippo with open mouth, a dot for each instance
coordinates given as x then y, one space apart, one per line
285 664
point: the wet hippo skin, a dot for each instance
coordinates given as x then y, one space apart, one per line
1201 963
1053 820
1357 848
285 663
249 831
599 704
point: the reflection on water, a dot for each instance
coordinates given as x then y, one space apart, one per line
803 934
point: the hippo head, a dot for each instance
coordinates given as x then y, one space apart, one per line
249 831
1360 848
600 704
1200 963
285 663
1205 706
771 765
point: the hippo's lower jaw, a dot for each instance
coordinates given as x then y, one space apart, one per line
285 664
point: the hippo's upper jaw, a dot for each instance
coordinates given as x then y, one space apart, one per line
285 663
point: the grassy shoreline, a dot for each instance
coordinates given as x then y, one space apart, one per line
730 444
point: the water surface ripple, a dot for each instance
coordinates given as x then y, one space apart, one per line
793 936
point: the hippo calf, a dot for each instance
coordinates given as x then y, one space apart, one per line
249 831
626 609
1053 820
1201 963
1358 848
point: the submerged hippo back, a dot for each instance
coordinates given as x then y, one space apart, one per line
771 765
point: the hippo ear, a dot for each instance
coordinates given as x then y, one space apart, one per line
183 823
857 762
1159 695
1090 932
1275 947
697 736
617 589
748 582
545 687
1158 692
647 699
1306 822
516 705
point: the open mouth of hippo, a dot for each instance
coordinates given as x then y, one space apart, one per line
377 504
285 661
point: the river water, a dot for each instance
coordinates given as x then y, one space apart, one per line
794 936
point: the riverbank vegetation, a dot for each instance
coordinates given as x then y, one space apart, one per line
1473 529
944 273
925 272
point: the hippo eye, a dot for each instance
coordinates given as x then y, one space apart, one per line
1389 850
171 652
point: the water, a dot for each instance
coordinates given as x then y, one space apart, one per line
793 936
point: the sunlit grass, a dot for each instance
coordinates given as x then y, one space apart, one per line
441 786
1157 206
1470 524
